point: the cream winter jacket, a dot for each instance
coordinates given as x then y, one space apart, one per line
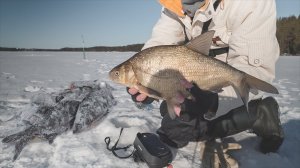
248 27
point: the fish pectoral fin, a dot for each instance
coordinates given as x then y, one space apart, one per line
148 91
201 43
173 108
174 105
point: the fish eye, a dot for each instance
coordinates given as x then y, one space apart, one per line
117 73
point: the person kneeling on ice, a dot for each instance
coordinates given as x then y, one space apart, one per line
245 39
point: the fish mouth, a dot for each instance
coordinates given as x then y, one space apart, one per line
110 75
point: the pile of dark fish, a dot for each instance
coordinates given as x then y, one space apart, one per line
77 108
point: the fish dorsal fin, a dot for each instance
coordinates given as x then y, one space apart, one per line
202 42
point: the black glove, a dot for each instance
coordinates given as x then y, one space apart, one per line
191 124
148 100
204 102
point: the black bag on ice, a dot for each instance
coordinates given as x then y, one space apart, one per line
147 148
151 150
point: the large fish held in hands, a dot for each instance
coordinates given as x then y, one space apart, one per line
159 71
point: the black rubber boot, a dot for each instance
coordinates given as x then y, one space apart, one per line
268 126
262 118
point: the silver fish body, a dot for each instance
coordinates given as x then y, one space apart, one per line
159 72
162 68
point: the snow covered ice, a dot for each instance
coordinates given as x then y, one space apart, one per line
25 74
76 108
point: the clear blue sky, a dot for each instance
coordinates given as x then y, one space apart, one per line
60 23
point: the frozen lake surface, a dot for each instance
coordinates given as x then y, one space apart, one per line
23 74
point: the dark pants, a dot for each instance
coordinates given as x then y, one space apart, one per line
194 127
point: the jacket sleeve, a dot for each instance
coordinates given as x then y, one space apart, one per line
167 31
253 45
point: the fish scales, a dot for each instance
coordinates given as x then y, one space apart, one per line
176 63
159 71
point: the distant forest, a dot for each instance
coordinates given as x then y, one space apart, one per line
288 35
133 47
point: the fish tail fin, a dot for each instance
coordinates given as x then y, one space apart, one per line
19 135
20 146
258 84
21 139
13 137
249 82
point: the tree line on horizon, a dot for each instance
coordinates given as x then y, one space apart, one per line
132 47
288 36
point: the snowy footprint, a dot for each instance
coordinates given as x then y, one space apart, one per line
71 152
30 88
